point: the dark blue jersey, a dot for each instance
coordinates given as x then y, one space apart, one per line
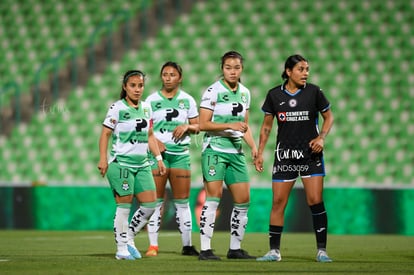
297 118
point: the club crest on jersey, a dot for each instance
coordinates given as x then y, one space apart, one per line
181 104
212 171
293 103
244 97
125 186
281 116
146 112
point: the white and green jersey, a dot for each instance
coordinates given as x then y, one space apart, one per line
227 107
170 113
130 132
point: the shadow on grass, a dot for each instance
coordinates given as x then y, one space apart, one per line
106 255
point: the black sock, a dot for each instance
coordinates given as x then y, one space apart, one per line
320 224
275 233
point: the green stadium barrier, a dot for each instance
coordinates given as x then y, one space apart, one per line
6 207
350 210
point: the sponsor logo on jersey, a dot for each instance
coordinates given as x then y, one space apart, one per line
293 116
141 124
171 113
281 116
286 153
212 103
290 168
157 105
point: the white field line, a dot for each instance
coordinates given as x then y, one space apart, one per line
97 237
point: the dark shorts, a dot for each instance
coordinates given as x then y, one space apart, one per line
291 169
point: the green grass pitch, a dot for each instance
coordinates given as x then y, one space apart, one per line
92 252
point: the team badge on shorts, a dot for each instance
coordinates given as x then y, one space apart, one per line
125 185
212 171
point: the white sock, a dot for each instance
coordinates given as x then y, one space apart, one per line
184 221
121 228
207 220
154 224
238 224
138 221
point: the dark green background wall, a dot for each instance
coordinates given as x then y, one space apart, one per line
350 210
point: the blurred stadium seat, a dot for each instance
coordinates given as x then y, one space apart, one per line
360 54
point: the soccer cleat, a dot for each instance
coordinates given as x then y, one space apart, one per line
271 256
124 257
238 254
323 257
189 251
208 255
134 251
152 251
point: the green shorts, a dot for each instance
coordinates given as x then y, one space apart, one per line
231 168
171 161
128 180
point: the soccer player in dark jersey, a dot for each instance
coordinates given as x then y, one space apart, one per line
296 105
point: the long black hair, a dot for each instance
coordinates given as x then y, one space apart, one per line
127 75
174 65
231 54
291 61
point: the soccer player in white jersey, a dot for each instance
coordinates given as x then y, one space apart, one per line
175 117
129 123
224 115
296 104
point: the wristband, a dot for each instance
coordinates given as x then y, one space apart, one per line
158 158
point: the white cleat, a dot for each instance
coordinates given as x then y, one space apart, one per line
323 257
134 251
271 256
